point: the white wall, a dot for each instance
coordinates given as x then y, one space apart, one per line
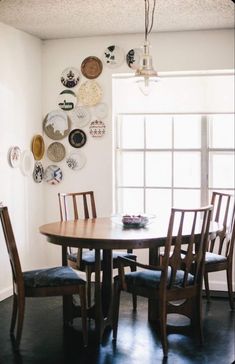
20 119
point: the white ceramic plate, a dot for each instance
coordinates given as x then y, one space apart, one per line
113 56
133 58
38 172
101 110
56 124
14 156
76 160
97 128
67 100
27 163
81 116
53 175
70 77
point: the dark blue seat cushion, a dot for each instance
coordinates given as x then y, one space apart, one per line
88 256
214 258
151 278
52 277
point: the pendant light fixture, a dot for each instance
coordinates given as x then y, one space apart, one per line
145 75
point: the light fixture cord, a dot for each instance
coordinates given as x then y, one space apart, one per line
148 27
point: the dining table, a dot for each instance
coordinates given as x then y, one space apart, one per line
104 235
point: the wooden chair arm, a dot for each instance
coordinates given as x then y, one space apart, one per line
133 263
122 262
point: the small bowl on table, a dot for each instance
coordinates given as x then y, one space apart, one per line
133 221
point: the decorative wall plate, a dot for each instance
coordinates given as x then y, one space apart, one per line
90 93
91 67
56 124
27 163
67 100
101 110
53 175
38 147
77 138
76 160
113 56
81 116
56 152
133 58
38 172
70 77
97 128
14 156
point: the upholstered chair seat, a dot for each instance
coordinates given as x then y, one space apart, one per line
52 277
88 257
151 279
214 258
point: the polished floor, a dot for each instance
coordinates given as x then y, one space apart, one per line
44 340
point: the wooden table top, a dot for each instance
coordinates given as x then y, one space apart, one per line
103 233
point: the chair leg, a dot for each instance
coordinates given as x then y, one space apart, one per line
230 286
134 296
20 319
198 317
84 314
116 304
14 313
88 278
207 289
163 328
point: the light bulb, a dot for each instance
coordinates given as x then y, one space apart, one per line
146 84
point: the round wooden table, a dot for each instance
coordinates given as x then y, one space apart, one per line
106 235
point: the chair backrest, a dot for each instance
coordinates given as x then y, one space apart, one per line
76 205
230 238
186 245
11 248
223 213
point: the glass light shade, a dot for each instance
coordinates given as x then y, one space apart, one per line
146 84
146 76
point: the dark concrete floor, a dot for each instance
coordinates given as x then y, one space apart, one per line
44 341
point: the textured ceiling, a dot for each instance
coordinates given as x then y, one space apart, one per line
51 19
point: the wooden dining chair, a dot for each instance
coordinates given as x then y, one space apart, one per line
179 276
76 205
58 281
219 256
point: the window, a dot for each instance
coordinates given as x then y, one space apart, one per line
171 159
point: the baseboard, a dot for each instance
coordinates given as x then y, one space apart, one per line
5 293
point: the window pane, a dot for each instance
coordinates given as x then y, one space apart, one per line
158 169
130 168
187 131
130 200
187 169
221 131
158 131
221 170
187 198
158 202
131 134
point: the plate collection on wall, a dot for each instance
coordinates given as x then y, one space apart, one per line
79 105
